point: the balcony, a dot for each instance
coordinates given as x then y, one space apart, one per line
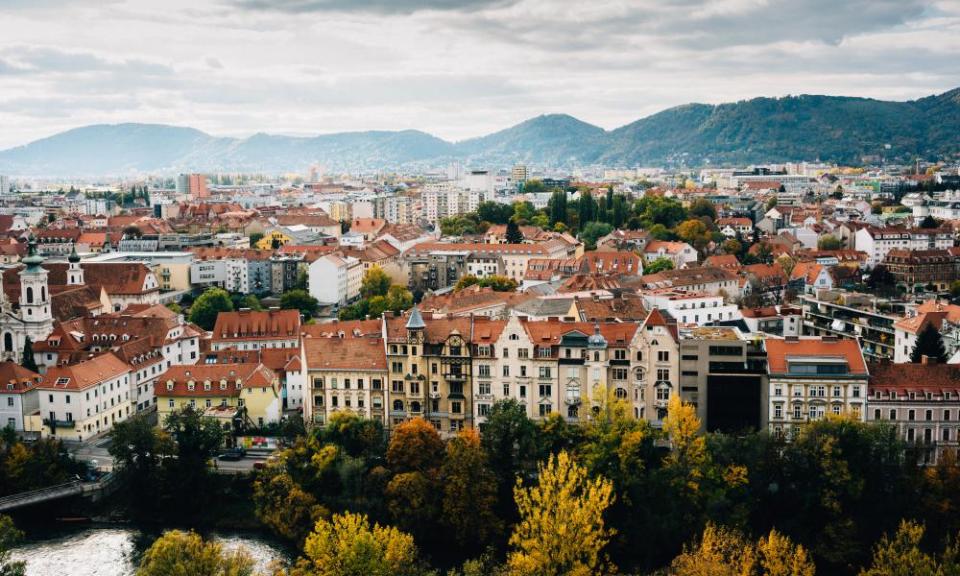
434 395
572 401
59 423
455 377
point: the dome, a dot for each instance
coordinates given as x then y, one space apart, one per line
596 340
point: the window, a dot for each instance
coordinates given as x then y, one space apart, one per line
946 415
397 386
484 370
928 415
545 410
396 366
414 387
619 373
663 374
484 388
778 411
619 354
523 353
836 391
506 371
544 352
663 356
523 391
483 409
456 407
523 371
876 414
545 372
545 390
911 415
893 414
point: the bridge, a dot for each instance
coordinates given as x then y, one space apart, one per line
93 490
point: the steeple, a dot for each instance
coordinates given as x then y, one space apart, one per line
74 271
32 260
415 322
35 295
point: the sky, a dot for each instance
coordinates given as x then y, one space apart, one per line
454 68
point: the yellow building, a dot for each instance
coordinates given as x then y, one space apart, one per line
272 239
344 374
247 393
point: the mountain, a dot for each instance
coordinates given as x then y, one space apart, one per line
793 128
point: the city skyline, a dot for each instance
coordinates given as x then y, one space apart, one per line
453 69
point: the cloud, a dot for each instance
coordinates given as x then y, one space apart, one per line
369 6
43 60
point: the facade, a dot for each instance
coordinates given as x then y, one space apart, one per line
845 314
335 279
878 242
238 394
921 400
19 396
919 270
344 375
85 399
692 307
811 378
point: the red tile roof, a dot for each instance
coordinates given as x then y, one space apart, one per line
257 325
249 376
345 354
779 351
85 374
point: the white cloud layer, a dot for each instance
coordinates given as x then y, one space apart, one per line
454 68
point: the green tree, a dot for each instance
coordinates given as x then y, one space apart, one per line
347 545
513 236
28 361
930 344
592 232
828 242
375 283
881 281
929 222
399 298
138 448
179 553
509 438
557 207
187 476
523 212
469 493
494 212
659 265
561 528
10 537
255 238
703 207
208 306
299 300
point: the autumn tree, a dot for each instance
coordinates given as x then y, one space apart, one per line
694 232
375 283
561 529
724 552
413 495
688 454
283 506
901 555
732 246
348 545
179 553
415 445
10 537
828 242
469 492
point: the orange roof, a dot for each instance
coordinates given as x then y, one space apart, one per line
922 378
257 325
17 379
780 351
722 261
345 354
249 376
85 374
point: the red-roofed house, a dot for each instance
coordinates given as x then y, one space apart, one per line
18 395
85 399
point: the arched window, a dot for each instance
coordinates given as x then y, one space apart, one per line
398 405
414 406
621 393
29 294
8 342
43 293
573 411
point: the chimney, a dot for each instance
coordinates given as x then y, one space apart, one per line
927 360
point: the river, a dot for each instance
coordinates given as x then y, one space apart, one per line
116 551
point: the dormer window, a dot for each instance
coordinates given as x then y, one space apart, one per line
169 386
191 385
206 385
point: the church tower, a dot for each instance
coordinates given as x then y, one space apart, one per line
74 272
35 296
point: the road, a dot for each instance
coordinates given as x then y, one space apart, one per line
97 451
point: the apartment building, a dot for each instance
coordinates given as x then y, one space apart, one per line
85 399
723 374
344 375
844 314
692 307
335 279
19 396
811 377
878 242
921 400
918 270
942 315
253 330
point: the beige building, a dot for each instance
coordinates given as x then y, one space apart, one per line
344 374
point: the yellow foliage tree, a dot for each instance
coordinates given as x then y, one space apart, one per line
724 552
688 456
901 555
469 491
348 545
179 553
561 529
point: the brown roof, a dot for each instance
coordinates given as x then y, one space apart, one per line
922 378
728 261
610 262
345 354
257 325
85 374
780 350
17 379
249 376
343 329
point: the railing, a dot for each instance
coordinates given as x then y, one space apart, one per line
67 489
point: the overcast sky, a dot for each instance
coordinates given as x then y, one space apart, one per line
454 68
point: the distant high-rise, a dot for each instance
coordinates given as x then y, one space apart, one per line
193 184
518 174
4 185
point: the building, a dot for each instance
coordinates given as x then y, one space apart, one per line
921 400
240 395
680 253
19 397
344 374
86 399
844 314
923 270
26 308
697 308
335 279
4 185
714 281
194 185
723 374
518 174
254 330
878 242
813 377
943 316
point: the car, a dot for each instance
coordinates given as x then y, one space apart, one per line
233 454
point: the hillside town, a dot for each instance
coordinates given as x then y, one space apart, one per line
763 300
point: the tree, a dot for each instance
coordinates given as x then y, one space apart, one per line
255 238
881 281
557 207
375 283
930 344
659 265
494 212
592 232
414 445
10 537
469 492
29 361
732 246
399 299
694 232
299 300
283 506
510 440
561 528
828 242
179 553
208 306
513 235
138 448
498 283
724 552
197 439
348 545
132 232
688 453
901 555
929 222
703 207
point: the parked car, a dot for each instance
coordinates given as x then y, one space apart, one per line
233 454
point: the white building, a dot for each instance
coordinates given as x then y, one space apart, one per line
697 308
877 242
335 279
86 399
18 395
4 184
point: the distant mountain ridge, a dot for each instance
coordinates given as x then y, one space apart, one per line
829 128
